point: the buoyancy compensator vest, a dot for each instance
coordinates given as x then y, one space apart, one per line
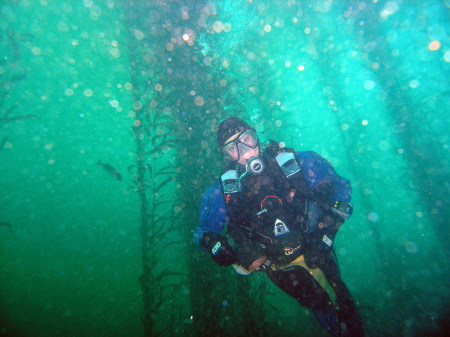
267 209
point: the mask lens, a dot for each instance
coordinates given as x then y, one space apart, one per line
249 138
230 151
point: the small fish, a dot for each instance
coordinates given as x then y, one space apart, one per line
111 170
2 145
6 224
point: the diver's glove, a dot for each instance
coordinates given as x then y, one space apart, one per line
333 216
217 245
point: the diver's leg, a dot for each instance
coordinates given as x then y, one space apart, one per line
298 283
347 312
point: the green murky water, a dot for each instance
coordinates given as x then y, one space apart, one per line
141 85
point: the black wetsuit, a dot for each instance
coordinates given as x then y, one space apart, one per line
271 216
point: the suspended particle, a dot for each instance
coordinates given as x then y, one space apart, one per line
114 103
128 86
342 252
384 145
88 3
185 13
434 45
115 52
68 92
344 127
307 30
227 27
400 151
367 191
185 37
389 8
199 101
267 28
373 217
88 92
419 214
225 63
411 247
207 61
364 122
369 85
287 64
301 67
447 56
158 87
36 51
169 46
192 92
278 123
413 84
218 26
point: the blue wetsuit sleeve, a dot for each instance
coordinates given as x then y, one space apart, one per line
213 213
319 174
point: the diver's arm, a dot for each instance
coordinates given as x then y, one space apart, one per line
323 179
213 213
331 191
207 235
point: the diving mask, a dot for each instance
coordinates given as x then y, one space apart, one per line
246 141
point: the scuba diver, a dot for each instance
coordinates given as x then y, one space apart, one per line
278 211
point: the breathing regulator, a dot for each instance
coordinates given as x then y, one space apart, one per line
231 182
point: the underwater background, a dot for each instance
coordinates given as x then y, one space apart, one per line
108 117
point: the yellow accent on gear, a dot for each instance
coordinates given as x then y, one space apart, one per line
315 272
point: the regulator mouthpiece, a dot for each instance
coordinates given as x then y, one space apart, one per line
255 166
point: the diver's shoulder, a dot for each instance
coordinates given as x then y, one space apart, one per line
307 155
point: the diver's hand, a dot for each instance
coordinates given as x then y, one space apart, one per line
221 252
257 263
329 221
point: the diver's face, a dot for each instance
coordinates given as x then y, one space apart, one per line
246 155
241 147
